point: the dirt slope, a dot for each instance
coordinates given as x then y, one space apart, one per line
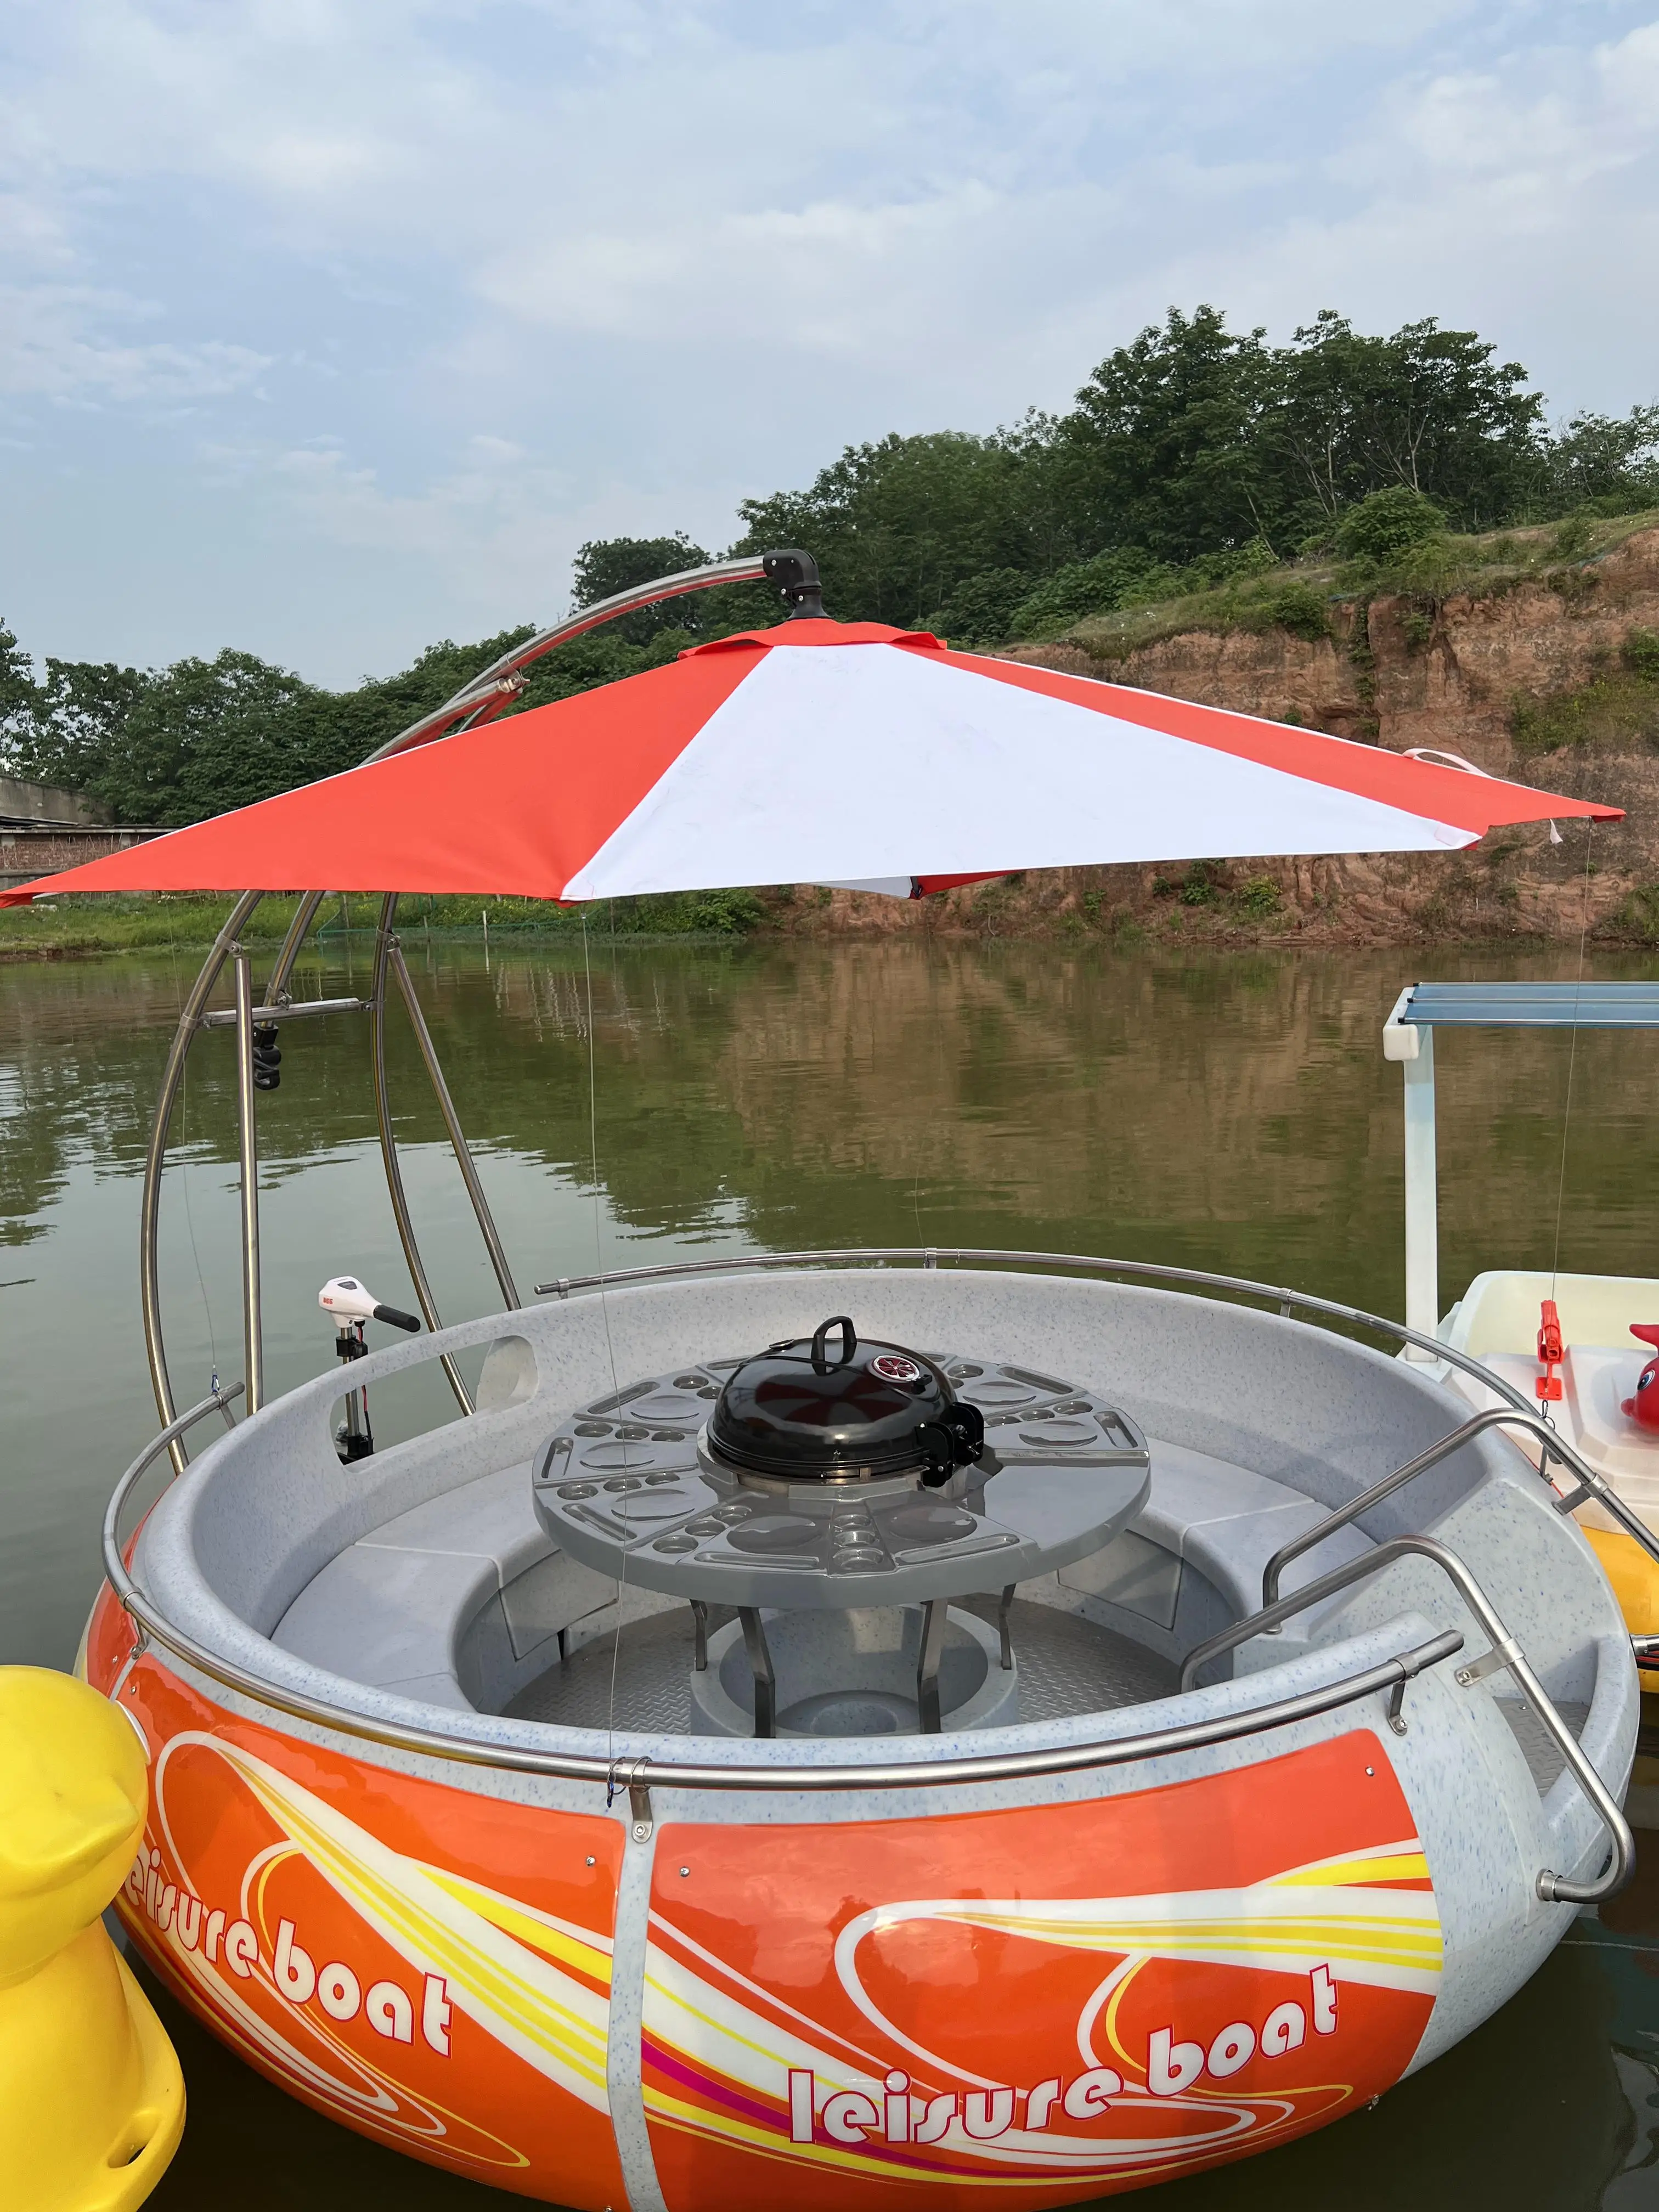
1528 677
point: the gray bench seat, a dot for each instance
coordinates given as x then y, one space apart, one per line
460 1602
1191 1561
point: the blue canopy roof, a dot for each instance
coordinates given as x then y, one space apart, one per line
1589 1005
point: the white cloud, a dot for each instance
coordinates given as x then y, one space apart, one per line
55 343
459 283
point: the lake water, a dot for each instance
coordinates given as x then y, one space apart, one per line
1231 1112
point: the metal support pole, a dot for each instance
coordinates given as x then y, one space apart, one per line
1003 1635
304 914
394 1174
486 1220
1422 1204
933 1614
760 1666
253 1352
173 1076
700 1635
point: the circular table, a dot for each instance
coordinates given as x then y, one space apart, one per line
628 1487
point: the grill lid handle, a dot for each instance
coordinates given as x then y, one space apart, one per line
849 1343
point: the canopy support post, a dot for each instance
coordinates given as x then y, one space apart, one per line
304 914
248 1130
394 1176
464 1160
149 1285
1412 1045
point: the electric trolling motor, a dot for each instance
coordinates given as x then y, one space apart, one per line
353 1306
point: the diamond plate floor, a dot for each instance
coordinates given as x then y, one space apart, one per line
1538 1748
1067 1667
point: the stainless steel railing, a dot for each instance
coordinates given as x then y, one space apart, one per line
1493 1417
1504 1652
638 1775
1288 1301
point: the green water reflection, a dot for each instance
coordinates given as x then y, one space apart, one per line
1227 1113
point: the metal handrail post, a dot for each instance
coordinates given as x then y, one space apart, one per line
464 1160
149 1285
247 1132
1505 1652
394 1174
1493 1417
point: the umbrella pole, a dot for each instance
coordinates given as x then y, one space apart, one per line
394 1174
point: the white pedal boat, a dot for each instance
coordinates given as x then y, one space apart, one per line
1587 1393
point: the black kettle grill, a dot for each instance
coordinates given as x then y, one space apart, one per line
870 1412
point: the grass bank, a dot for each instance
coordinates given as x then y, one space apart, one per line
85 926
1301 596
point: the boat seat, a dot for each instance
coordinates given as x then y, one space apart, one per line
1191 1561
459 1602
464 1600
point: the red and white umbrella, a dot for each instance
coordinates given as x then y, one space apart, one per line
825 752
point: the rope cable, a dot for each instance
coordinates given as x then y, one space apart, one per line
605 1316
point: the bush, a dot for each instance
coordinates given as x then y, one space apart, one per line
1617 711
1641 654
1297 607
1385 526
980 611
1639 915
1097 587
1573 536
1260 896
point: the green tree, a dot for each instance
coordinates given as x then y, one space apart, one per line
980 610
65 730
18 700
1611 460
1428 409
606 566
898 525
212 734
1162 450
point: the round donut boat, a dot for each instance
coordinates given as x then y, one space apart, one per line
1233 1793
1143 1929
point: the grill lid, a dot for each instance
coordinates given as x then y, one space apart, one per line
800 1412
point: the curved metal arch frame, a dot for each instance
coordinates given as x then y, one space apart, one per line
477 701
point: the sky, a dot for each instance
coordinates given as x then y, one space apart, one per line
332 327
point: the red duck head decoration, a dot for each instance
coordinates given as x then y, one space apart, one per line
1644 1407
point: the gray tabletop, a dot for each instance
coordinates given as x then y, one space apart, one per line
627 1486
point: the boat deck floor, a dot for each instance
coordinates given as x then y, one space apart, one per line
640 1678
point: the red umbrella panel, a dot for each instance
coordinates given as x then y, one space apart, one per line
825 752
